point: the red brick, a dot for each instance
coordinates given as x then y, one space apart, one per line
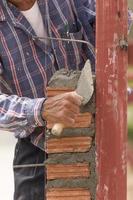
68 194
83 120
55 91
58 171
69 144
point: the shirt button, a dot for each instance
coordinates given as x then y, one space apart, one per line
33 38
36 123
54 50
27 53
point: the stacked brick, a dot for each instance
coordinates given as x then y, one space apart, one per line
70 166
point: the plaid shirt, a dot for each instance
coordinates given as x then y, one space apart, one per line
27 64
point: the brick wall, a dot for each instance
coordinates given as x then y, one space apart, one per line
70 167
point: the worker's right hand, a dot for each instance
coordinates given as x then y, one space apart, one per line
62 109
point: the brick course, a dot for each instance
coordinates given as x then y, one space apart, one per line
70 167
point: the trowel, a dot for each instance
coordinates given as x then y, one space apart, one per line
85 88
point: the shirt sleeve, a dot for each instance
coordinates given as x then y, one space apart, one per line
20 115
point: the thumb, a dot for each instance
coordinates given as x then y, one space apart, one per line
78 97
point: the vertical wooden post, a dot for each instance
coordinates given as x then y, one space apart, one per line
111 87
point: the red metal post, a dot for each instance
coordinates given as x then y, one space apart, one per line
111 99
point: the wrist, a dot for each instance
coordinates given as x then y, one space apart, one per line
43 113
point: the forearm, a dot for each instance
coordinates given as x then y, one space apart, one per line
20 114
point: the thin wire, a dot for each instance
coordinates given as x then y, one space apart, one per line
67 40
29 165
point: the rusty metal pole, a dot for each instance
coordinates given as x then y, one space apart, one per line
111 99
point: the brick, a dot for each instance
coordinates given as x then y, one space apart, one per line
83 120
68 194
68 144
55 91
58 171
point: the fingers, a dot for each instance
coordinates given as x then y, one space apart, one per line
70 106
74 98
62 108
65 116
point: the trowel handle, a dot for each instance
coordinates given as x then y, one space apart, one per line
57 129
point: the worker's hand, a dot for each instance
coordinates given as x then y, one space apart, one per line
62 108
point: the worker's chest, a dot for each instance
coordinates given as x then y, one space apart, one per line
25 60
